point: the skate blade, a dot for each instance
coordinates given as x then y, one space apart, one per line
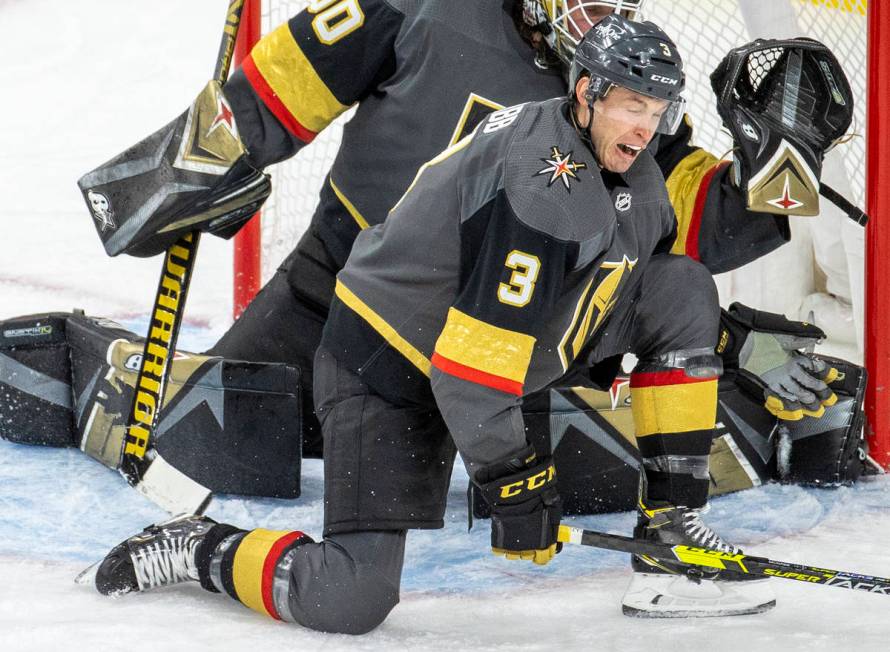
653 595
642 613
87 577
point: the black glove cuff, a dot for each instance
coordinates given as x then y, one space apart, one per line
737 322
535 530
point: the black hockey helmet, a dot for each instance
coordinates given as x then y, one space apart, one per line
562 23
636 56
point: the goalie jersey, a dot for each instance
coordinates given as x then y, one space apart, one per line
494 271
423 74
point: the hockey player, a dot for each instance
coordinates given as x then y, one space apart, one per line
540 238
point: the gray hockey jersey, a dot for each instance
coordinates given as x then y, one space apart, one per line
497 267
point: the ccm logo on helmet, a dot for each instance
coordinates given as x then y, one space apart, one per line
664 80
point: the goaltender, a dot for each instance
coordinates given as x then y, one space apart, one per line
541 237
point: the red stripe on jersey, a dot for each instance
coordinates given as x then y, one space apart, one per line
269 570
475 376
672 377
695 221
276 106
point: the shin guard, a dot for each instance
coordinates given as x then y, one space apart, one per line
674 415
233 426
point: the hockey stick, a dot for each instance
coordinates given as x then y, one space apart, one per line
836 198
739 563
146 470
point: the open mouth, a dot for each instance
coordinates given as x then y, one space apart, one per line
630 150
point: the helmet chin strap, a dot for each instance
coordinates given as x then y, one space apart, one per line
584 130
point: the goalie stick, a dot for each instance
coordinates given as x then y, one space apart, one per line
145 470
856 214
714 559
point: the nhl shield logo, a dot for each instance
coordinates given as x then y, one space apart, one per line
622 201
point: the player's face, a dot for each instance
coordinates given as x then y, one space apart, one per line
623 124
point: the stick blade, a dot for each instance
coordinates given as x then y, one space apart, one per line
171 489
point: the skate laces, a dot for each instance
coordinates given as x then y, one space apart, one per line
165 562
704 536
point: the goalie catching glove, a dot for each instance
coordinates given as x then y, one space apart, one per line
525 506
763 349
785 103
192 175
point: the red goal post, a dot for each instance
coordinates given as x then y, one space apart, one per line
247 259
857 30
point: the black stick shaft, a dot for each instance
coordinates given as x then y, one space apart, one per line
739 563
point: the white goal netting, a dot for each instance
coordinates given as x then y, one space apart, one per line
825 258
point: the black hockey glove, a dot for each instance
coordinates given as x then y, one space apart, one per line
525 506
763 349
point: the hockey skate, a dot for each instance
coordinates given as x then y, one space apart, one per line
160 555
664 589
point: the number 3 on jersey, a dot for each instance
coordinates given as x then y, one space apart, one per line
335 19
518 290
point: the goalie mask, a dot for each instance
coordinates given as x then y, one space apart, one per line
563 23
785 103
636 56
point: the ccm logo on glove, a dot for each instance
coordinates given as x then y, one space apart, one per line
530 483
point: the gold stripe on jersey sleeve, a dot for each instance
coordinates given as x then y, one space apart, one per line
683 186
486 348
386 331
665 409
292 78
358 217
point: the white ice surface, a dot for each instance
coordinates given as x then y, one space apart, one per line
82 81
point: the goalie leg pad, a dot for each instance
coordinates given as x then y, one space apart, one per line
233 426
830 451
35 381
279 326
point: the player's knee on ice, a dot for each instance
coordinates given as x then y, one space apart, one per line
348 583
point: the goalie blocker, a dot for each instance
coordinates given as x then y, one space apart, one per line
67 380
194 174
